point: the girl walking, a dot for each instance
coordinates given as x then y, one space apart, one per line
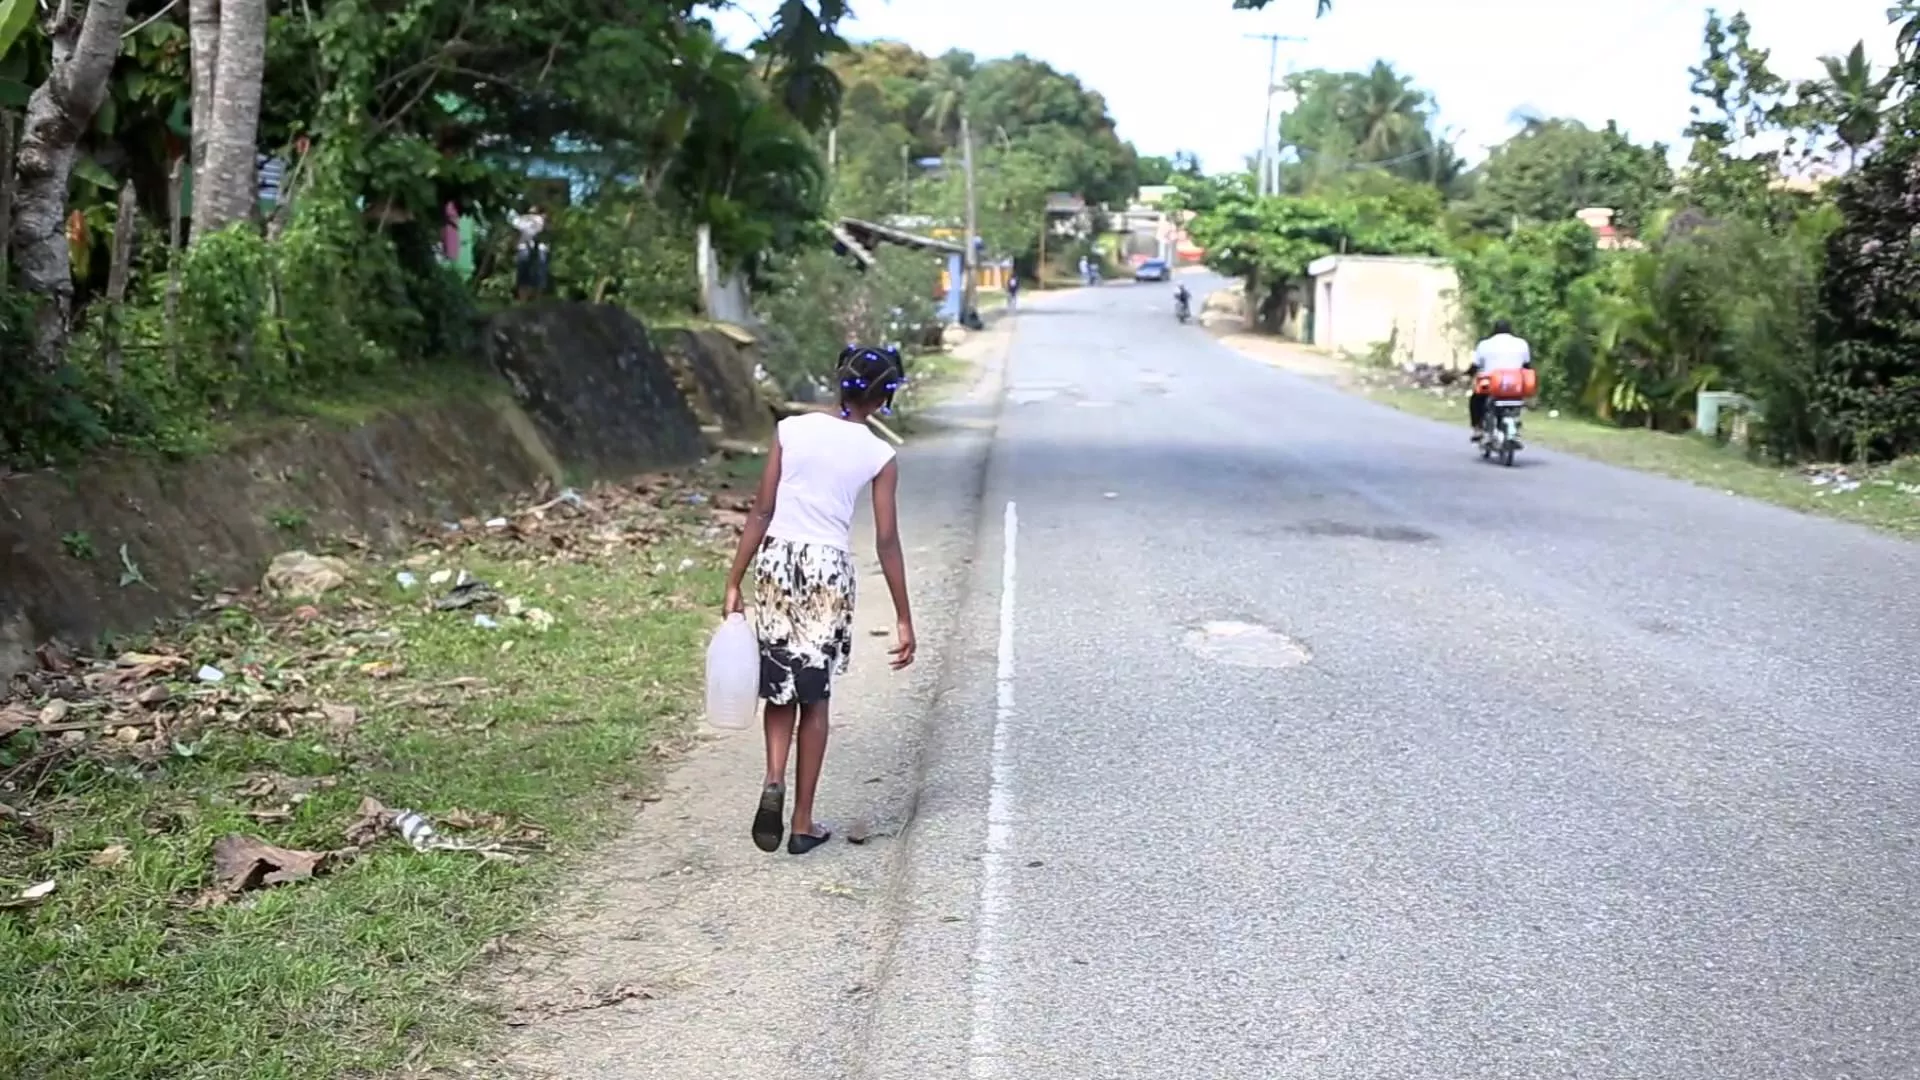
798 542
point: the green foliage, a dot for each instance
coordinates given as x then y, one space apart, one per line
1865 388
1349 120
1272 239
1035 131
1556 167
1542 280
821 302
621 249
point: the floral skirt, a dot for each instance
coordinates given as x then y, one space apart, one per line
803 614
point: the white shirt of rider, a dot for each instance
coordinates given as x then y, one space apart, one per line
1502 352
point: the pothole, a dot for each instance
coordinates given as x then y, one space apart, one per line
1392 534
1244 644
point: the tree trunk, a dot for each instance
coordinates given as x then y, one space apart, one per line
203 35
57 114
6 188
126 217
226 187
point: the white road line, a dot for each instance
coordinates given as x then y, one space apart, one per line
983 1060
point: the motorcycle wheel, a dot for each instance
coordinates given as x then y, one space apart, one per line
1506 456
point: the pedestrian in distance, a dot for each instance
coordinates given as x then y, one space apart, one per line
798 544
1013 291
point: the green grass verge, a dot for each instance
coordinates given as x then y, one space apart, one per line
1880 500
353 973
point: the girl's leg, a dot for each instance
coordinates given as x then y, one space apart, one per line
769 823
806 773
779 729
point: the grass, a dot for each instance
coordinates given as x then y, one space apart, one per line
1879 502
352 973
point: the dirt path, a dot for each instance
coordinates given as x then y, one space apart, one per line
684 951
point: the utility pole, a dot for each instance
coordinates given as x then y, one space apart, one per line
969 301
1268 153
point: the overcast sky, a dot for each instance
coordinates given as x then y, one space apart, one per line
1193 82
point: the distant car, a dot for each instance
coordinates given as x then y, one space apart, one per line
1152 270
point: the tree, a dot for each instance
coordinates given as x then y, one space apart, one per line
1347 120
1741 99
1849 99
1321 7
225 184
1555 167
1865 387
59 111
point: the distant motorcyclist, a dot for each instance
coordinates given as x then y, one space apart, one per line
1182 299
1504 351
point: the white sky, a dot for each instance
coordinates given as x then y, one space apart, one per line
1193 81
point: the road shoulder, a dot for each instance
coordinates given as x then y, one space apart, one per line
1883 497
683 951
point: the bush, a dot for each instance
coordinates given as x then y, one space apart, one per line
1865 387
821 302
258 325
1542 280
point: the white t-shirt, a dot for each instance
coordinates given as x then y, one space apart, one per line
1502 352
824 462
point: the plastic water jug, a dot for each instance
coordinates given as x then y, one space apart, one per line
733 675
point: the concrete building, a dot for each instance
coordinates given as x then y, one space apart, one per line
1360 304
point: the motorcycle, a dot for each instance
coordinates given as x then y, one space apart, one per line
1181 310
1500 430
1507 393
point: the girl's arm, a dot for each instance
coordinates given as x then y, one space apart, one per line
893 564
755 530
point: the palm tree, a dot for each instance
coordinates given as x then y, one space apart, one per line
1853 98
946 92
1389 115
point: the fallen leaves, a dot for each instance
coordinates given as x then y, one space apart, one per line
298 575
29 896
110 856
580 999
243 862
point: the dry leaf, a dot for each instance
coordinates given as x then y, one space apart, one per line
13 718
52 657
372 822
29 896
340 717
113 855
56 711
245 862
154 695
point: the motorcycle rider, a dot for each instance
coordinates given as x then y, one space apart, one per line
1182 299
1504 351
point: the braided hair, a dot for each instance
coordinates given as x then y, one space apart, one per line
869 377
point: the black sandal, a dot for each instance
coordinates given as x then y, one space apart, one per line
801 843
769 822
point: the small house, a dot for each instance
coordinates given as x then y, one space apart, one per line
1399 305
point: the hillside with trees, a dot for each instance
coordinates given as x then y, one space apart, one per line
216 210
1744 270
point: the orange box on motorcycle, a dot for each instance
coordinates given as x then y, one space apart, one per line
1510 384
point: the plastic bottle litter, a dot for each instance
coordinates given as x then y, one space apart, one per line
413 826
406 579
210 674
497 523
733 675
485 622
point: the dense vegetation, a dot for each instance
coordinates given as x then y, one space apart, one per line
156 288
1743 270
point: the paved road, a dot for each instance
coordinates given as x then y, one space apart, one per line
1557 771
